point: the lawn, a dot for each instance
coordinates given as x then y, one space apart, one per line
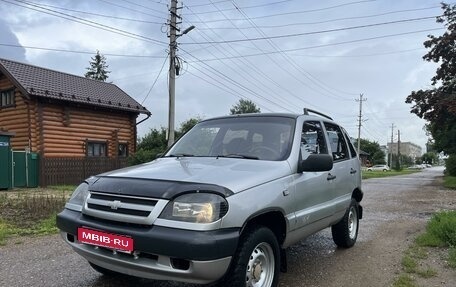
31 211
440 233
449 182
374 174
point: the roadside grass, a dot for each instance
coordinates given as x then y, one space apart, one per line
449 181
440 233
27 212
375 174
404 280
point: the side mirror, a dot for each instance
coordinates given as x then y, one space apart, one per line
316 162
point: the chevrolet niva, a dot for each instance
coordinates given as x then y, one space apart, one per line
223 203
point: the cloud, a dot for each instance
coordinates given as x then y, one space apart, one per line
8 37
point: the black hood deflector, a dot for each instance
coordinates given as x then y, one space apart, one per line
153 188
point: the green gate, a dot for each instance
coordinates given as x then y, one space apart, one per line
5 163
25 169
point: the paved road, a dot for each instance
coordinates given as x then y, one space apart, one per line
396 209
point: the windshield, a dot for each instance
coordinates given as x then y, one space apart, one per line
262 138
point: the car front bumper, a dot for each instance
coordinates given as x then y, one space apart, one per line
159 253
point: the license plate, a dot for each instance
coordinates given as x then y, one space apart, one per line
105 239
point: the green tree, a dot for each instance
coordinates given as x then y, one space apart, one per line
244 107
437 105
149 146
154 143
187 125
429 157
376 155
98 68
450 164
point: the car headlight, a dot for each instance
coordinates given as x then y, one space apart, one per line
196 208
78 197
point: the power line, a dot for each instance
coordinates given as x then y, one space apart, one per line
80 52
272 59
84 21
326 45
315 32
295 12
248 63
95 14
331 20
246 75
230 80
139 5
134 10
244 7
224 88
153 85
207 4
292 63
359 55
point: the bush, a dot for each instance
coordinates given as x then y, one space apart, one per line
144 155
443 226
450 164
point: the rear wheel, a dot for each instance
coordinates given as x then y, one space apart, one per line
256 262
345 232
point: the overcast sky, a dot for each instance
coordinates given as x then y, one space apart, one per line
282 54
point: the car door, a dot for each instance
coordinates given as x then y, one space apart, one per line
312 189
342 172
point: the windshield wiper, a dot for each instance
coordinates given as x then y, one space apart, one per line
233 155
180 155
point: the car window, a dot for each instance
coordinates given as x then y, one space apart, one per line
312 139
350 144
337 142
263 138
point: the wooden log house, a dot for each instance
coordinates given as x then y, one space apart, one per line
78 126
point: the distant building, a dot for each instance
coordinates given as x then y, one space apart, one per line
407 148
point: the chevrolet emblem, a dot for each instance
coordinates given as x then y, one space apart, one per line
115 204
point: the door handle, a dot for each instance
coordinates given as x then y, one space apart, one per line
331 177
353 171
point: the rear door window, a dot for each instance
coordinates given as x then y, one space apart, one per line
337 142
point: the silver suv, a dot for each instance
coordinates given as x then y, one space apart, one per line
223 204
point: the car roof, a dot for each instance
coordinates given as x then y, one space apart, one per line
285 115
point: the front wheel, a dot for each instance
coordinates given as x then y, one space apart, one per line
256 262
345 232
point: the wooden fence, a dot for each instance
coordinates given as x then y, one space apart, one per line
73 170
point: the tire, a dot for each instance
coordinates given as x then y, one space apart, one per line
345 232
256 262
104 271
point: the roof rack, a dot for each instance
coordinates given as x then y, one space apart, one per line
306 112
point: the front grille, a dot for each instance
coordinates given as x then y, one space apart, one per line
123 208
119 210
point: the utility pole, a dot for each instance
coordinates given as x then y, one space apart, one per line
391 146
172 70
361 100
173 29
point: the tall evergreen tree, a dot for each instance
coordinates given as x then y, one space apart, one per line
98 68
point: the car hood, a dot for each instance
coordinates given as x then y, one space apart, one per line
232 173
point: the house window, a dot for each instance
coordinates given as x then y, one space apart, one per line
123 150
96 149
6 98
